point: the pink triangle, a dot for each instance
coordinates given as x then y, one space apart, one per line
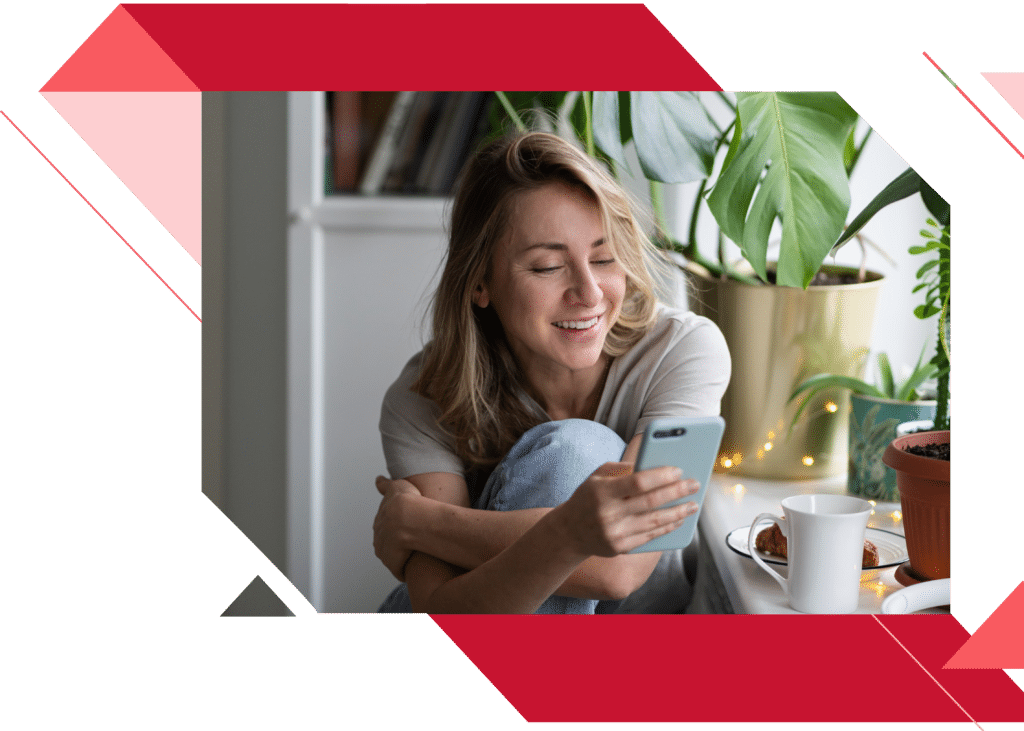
152 141
119 56
999 642
1010 86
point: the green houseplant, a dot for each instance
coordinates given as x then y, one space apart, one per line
875 413
933 276
869 436
761 161
923 481
789 157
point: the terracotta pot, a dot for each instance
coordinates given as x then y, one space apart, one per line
924 496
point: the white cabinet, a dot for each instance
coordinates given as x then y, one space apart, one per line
360 272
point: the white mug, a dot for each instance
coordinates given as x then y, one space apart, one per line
825 548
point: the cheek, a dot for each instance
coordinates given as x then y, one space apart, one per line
522 302
616 288
533 296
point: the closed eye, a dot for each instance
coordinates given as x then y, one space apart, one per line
551 269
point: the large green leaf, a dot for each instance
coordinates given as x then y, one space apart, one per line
608 132
675 139
788 164
935 203
905 185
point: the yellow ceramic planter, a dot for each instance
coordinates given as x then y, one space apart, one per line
778 337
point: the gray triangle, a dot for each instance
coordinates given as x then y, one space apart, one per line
258 600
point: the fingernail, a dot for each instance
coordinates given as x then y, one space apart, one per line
692 486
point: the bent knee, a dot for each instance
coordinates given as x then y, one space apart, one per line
551 460
576 438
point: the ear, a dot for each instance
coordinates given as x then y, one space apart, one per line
481 298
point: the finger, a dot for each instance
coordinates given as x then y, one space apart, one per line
665 520
648 531
382 484
654 477
656 498
638 483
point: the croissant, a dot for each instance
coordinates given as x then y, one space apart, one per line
771 540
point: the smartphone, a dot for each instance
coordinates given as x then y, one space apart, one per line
691 444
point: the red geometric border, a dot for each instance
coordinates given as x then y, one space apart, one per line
999 641
366 47
597 668
661 668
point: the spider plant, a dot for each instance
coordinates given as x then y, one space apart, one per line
887 387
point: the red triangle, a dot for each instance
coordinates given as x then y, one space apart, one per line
999 642
119 56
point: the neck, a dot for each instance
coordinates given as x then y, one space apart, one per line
570 395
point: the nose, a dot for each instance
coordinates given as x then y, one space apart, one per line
585 289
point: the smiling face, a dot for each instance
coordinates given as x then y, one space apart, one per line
555 284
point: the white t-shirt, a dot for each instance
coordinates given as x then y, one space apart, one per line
680 368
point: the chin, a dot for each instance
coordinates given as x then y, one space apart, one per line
583 361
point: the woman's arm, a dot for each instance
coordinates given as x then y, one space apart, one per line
445 527
516 581
612 512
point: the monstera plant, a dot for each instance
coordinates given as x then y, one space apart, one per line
788 160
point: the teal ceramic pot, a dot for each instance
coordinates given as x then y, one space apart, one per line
872 426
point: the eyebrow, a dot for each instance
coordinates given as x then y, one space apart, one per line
561 247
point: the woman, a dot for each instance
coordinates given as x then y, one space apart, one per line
510 438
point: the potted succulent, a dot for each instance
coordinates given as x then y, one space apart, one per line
921 460
787 159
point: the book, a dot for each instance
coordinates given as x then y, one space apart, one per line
469 127
454 135
423 144
375 106
345 143
410 146
438 134
401 142
384 150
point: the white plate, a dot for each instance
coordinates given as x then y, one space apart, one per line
892 548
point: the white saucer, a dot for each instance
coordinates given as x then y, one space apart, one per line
892 549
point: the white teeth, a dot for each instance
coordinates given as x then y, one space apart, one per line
578 324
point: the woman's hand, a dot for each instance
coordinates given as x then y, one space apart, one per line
390 538
615 510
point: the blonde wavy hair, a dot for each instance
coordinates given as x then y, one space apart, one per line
468 368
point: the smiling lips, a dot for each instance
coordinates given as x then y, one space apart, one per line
578 324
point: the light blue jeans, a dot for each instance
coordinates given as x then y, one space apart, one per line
542 470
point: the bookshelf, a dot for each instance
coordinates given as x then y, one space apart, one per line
401 142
